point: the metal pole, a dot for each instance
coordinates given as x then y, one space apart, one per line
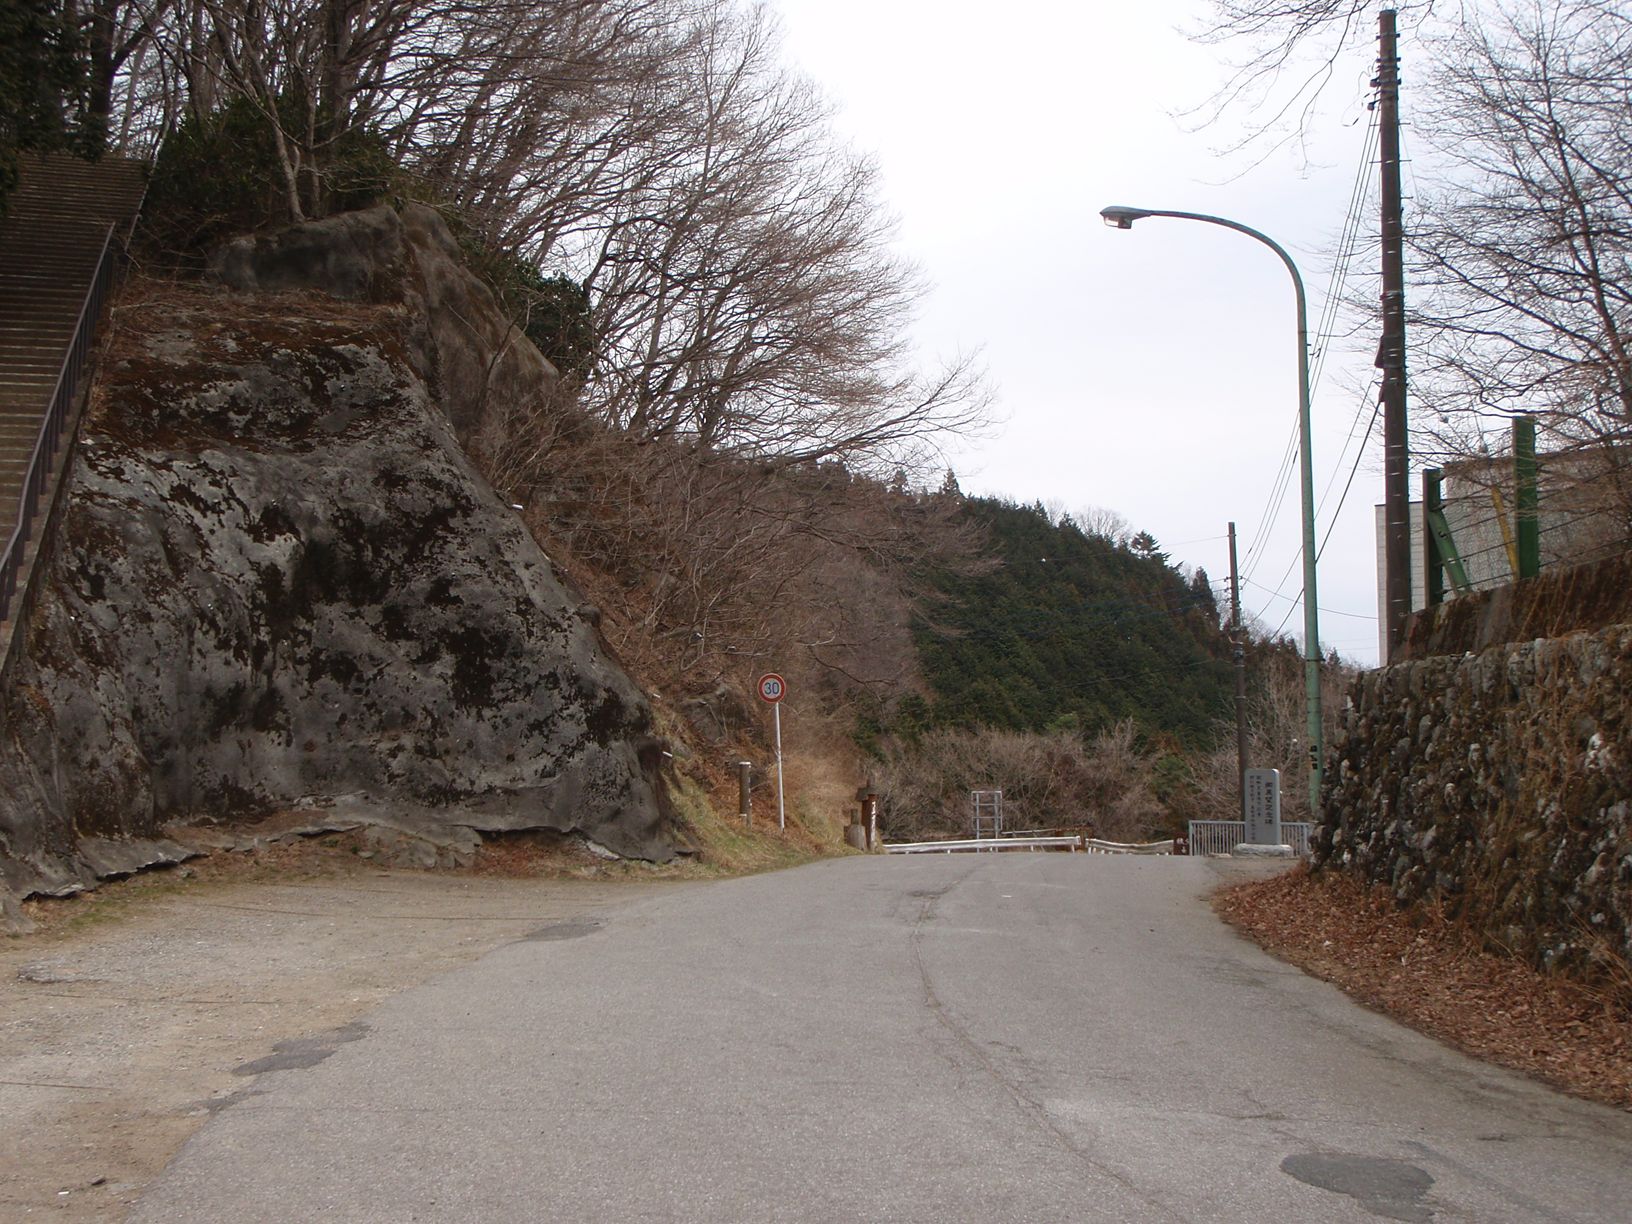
1311 614
1123 218
1526 499
1391 351
745 772
776 717
1433 567
1240 653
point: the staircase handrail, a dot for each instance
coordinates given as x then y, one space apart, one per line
56 419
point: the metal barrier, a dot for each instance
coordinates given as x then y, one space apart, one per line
983 845
1223 836
56 419
1095 845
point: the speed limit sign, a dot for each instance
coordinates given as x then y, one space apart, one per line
772 688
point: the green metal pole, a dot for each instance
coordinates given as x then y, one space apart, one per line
1123 218
1311 614
1527 500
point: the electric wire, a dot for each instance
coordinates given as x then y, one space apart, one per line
1332 523
1348 248
1371 616
1359 454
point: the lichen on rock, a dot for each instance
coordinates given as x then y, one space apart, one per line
279 581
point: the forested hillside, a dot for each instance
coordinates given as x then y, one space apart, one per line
733 461
1072 630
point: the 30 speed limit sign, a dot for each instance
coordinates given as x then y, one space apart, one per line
772 688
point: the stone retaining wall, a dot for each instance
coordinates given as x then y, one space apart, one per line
1571 599
1501 784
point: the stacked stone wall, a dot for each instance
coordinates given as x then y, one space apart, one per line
1500 784
1561 600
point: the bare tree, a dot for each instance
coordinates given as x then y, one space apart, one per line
749 320
737 261
1104 524
745 294
1287 52
1522 246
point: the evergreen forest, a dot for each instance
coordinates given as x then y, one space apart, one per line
1072 631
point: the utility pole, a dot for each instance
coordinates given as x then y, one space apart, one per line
1240 682
1391 350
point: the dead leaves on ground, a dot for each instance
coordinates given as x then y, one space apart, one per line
1432 973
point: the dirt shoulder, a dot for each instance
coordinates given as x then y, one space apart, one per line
1429 972
133 1013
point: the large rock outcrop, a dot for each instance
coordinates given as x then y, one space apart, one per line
467 348
279 582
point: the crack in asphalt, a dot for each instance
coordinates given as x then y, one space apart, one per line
1029 1108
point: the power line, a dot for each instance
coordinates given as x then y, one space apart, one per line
1347 484
1348 247
1298 599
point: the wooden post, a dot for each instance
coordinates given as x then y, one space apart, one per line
867 838
1391 351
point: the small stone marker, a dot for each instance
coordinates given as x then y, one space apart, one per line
1263 807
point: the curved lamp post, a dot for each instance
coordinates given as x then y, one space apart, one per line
1122 217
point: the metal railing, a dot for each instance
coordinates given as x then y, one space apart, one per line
1096 845
1223 836
985 845
56 421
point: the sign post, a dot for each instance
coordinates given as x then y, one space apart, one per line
772 688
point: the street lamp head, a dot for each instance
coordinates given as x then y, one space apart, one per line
1121 217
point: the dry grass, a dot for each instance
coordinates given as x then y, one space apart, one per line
1426 970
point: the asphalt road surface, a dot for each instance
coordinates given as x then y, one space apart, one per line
1027 1037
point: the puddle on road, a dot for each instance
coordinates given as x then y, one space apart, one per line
1391 1189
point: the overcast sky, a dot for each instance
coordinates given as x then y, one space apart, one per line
1153 371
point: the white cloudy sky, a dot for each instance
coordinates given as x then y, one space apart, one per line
1151 371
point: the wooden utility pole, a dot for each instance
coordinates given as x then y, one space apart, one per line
1391 351
1240 653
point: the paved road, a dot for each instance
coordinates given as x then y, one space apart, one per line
1008 1037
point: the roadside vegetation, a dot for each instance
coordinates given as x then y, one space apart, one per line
740 464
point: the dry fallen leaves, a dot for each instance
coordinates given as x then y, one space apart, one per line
1434 974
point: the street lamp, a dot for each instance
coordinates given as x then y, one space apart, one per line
1122 217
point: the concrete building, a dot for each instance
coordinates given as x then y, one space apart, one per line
1579 494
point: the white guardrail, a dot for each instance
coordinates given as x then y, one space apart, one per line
1206 837
1095 845
971 844
1073 843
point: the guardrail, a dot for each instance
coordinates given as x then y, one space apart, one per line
985 845
1223 836
1095 845
56 420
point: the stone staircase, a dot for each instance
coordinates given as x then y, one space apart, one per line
51 242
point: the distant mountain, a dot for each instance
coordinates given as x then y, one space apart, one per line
1072 630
